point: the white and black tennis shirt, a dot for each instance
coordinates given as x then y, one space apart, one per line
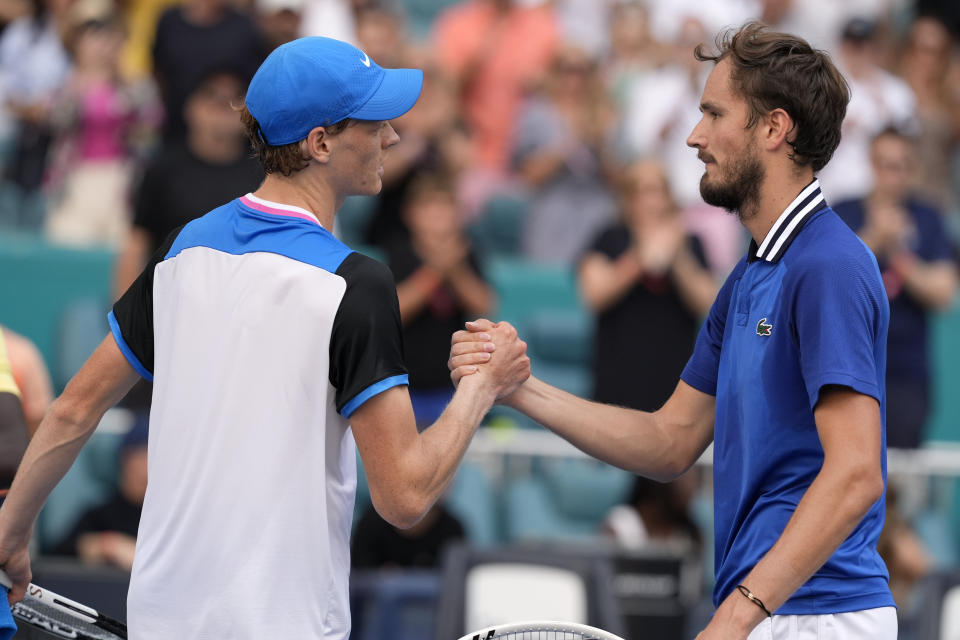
262 334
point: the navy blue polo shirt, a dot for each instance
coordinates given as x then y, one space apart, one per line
804 309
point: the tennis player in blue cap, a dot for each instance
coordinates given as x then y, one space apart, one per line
266 339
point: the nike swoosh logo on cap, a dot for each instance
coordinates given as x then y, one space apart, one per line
366 60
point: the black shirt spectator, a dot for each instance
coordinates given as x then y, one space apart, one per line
651 325
192 41
377 544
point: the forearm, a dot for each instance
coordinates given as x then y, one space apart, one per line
604 282
443 445
99 384
695 284
52 450
933 285
829 511
638 441
413 293
475 295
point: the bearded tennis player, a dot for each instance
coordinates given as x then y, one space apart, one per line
787 375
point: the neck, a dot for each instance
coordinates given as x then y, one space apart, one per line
776 193
303 189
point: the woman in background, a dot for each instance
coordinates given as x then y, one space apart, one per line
647 281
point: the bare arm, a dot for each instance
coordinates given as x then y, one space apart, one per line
932 284
36 389
408 471
848 484
473 293
603 282
660 445
99 384
414 292
695 284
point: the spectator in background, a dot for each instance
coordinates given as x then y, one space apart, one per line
661 108
13 428
102 125
656 514
432 141
878 100
646 280
381 34
561 152
279 21
496 51
107 533
31 377
33 65
924 66
439 286
191 177
377 544
633 50
906 558
912 247
194 39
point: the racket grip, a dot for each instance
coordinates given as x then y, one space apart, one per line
5 579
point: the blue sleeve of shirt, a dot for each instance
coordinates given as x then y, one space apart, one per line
701 370
841 315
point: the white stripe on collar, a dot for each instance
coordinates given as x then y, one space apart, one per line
283 207
787 224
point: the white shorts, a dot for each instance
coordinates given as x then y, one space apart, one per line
869 624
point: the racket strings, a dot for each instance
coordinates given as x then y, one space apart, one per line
544 635
37 614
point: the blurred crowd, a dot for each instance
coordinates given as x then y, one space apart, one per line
118 124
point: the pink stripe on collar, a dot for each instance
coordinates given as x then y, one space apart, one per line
291 212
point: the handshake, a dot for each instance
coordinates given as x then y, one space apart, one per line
492 351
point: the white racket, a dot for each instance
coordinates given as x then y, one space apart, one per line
62 617
541 630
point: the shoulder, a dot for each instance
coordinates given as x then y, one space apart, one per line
357 268
830 255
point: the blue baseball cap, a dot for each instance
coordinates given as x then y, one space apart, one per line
315 82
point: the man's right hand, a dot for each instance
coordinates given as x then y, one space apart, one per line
493 350
16 563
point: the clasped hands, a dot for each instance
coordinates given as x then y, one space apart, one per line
492 350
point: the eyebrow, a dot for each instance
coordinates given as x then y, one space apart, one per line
708 106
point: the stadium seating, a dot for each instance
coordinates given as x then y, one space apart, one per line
938 614
41 281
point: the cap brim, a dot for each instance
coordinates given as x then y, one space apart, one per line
395 96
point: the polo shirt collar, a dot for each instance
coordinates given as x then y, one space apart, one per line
277 208
787 227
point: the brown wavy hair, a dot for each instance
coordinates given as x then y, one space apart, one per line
286 159
775 70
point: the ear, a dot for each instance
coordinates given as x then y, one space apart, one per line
318 145
778 129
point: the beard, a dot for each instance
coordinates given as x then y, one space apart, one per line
738 187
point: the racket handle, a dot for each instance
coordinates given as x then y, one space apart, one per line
5 579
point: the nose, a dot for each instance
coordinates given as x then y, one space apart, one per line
390 137
696 137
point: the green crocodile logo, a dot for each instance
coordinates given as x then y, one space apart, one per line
764 329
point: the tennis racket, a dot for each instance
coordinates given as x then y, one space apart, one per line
61 617
541 630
